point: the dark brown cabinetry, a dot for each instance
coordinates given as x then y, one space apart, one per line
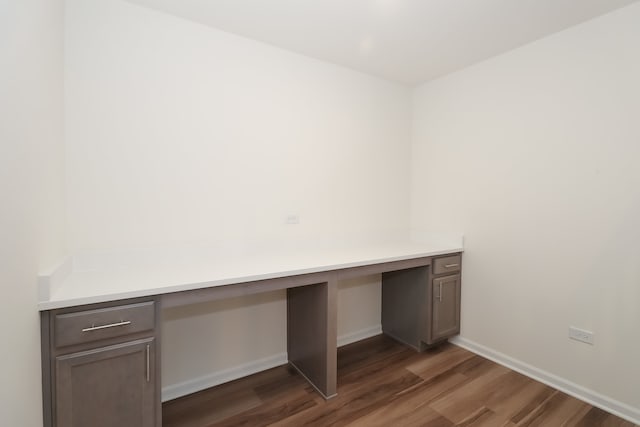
102 367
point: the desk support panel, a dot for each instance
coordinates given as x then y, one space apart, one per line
404 306
312 330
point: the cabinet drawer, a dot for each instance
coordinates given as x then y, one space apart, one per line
92 325
446 264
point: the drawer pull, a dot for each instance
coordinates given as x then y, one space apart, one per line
147 362
451 265
110 325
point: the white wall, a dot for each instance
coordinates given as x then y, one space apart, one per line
534 156
31 185
179 134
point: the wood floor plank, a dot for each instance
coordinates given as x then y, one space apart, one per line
211 405
436 363
536 398
598 417
400 408
469 397
559 409
474 367
517 399
383 383
369 351
420 416
357 401
280 384
271 411
483 416
210 412
357 375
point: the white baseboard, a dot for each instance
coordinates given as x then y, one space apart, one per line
201 383
598 400
216 378
359 335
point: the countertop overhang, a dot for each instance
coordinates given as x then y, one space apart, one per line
114 275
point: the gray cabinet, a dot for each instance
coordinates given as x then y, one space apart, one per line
445 308
444 298
107 386
101 362
101 367
421 306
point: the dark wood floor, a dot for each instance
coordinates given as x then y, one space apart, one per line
383 383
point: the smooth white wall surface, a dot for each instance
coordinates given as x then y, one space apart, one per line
32 189
178 134
233 332
534 156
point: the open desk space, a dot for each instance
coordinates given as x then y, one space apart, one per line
101 314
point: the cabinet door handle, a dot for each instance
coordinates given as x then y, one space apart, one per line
147 362
110 325
451 265
440 291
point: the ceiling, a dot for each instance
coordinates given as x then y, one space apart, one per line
407 41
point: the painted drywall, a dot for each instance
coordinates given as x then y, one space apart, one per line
178 134
32 188
534 156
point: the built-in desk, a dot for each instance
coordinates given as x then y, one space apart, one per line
100 316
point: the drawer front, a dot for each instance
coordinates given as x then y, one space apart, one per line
447 264
92 325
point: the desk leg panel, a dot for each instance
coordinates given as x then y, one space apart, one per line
312 329
405 311
47 397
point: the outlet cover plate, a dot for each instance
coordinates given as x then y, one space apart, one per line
581 335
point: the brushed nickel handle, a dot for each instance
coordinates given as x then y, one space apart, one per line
147 362
110 325
451 265
440 291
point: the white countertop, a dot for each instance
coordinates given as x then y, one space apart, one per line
86 279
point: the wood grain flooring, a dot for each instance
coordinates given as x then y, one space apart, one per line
383 383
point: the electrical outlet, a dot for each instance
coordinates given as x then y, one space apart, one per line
581 335
292 219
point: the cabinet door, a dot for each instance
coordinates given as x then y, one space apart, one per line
107 387
445 320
